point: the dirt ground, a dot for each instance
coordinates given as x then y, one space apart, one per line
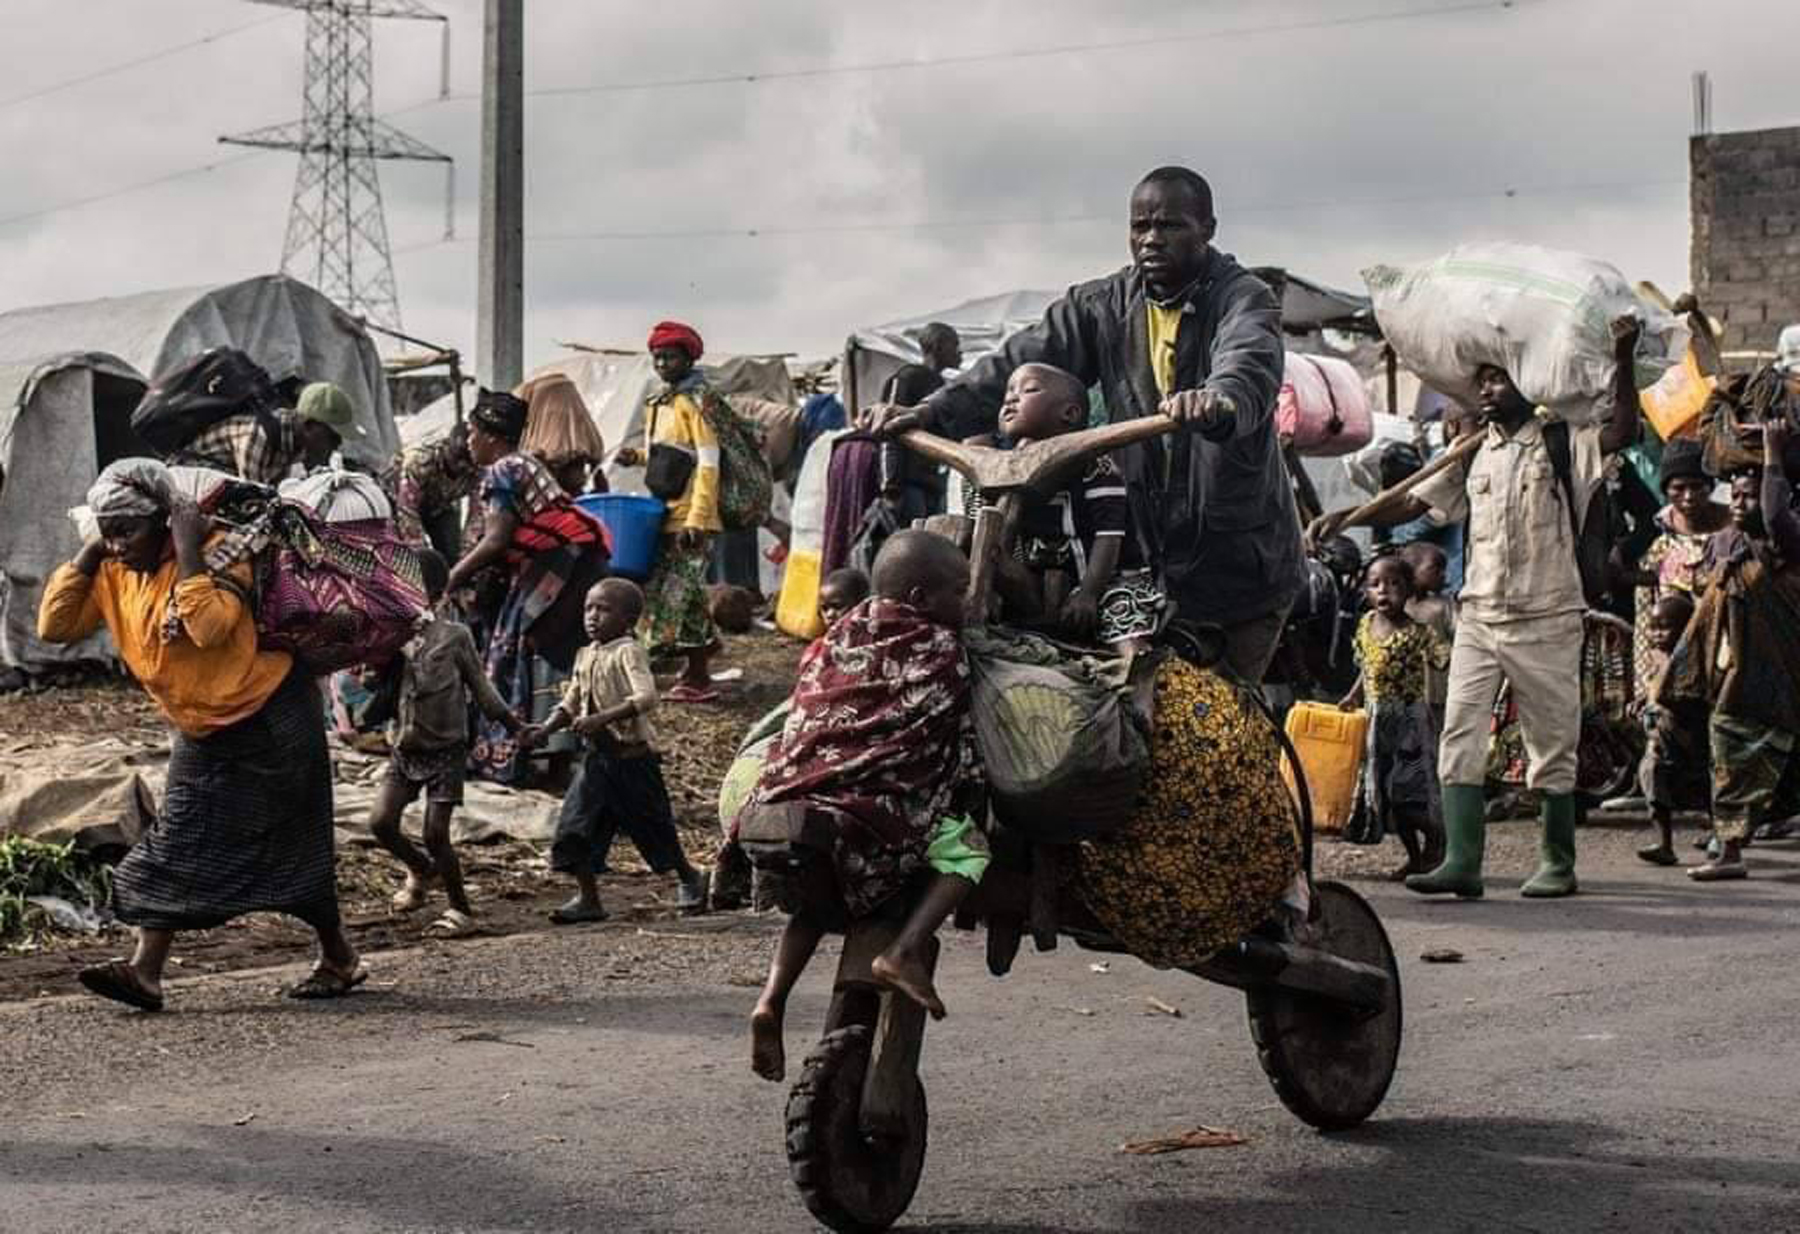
509 881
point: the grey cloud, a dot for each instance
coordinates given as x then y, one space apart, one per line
1328 149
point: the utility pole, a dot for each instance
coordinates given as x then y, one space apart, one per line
500 300
337 235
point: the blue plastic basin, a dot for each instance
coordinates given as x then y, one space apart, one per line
635 525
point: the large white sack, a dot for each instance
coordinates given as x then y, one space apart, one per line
1542 315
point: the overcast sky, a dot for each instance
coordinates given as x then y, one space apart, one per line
1562 122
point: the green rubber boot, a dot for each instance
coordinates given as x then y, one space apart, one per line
1556 850
1465 838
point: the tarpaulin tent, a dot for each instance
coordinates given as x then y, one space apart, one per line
71 375
61 420
615 386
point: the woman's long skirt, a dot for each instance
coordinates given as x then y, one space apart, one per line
245 824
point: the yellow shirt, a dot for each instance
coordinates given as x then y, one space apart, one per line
675 420
1165 324
209 677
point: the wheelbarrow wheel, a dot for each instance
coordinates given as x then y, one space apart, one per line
1331 1063
851 1183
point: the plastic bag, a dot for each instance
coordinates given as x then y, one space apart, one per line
1064 749
1542 315
1323 406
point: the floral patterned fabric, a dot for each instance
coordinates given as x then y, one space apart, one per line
555 546
425 483
677 613
881 738
1209 853
1674 557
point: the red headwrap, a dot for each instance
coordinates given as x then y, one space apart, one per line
676 334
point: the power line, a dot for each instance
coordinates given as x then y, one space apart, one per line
124 190
1029 53
126 65
1112 219
774 75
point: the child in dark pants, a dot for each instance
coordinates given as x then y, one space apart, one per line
618 782
1398 657
431 750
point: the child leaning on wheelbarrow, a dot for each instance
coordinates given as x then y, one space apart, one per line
879 754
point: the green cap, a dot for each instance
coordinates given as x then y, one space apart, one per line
331 407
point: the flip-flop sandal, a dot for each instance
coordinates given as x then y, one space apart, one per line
1712 872
1657 855
453 923
118 981
326 982
691 694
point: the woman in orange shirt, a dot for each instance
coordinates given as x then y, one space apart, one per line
246 819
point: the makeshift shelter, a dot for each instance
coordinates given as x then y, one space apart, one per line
615 386
72 374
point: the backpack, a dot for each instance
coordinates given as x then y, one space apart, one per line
746 484
1065 750
196 394
1591 530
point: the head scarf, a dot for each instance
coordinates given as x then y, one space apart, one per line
1681 460
501 414
132 488
559 428
677 334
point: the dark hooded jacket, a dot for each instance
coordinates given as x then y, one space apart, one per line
1215 507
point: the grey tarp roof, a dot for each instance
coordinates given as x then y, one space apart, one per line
283 324
615 385
71 374
873 355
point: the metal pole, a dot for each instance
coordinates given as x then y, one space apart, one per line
500 302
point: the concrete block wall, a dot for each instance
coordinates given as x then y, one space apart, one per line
1745 253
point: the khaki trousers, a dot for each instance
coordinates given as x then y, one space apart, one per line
1541 656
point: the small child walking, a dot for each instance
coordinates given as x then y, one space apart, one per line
1397 657
430 739
1676 770
618 783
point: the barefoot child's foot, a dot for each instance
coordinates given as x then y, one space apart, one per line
907 974
768 1056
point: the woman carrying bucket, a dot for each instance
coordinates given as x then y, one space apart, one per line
682 468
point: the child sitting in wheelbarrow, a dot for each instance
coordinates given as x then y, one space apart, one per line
1078 559
878 756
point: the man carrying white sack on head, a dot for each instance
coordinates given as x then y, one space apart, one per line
1523 493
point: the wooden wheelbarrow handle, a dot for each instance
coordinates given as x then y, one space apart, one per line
1005 476
1035 465
1443 462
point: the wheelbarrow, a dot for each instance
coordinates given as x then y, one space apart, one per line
1323 995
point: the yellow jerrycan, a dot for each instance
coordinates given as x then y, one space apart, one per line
1330 743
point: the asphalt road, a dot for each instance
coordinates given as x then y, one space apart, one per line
1625 1060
